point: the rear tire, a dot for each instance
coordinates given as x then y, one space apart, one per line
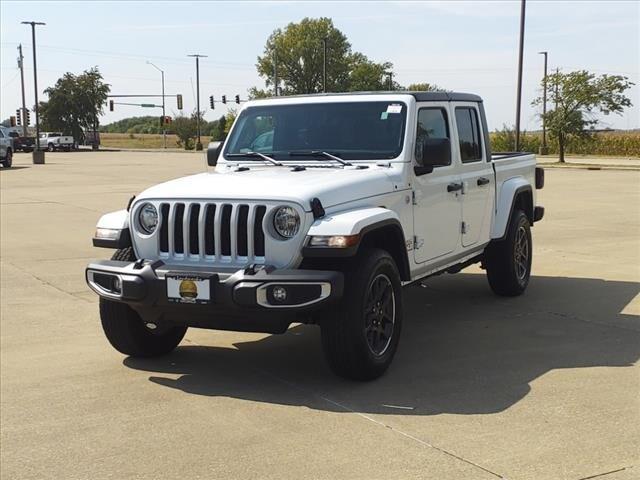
127 332
508 262
360 336
8 160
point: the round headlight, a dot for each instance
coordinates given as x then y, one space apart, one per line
286 221
148 218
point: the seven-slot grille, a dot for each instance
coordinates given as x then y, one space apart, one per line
226 232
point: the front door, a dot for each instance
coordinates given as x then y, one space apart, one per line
437 207
477 176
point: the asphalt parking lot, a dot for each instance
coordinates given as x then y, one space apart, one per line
545 386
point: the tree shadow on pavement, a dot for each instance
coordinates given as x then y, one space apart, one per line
463 351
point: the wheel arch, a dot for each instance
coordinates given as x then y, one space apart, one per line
514 194
376 227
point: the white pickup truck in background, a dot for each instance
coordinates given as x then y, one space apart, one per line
319 210
54 141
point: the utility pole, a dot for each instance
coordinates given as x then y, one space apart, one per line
164 130
390 81
24 104
275 73
324 65
38 155
520 56
197 57
543 148
556 95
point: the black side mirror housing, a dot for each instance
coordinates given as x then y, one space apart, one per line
436 152
213 153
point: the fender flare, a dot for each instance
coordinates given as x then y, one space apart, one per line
363 222
507 196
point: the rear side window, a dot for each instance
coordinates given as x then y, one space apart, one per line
432 123
468 134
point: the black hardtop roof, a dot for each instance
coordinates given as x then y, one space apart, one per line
419 96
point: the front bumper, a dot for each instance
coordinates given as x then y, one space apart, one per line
241 300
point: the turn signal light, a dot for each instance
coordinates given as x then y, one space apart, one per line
334 241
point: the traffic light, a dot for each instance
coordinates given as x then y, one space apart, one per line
167 120
224 99
18 117
27 117
179 100
238 99
162 120
211 102
12 121
111 105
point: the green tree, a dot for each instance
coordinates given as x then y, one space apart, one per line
424 87
368 76
300 55
577 97
186 129
75 103
230 117
218 130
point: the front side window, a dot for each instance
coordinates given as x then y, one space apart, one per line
468 134
350 130
432 123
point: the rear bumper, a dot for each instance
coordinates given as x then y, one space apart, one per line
243 300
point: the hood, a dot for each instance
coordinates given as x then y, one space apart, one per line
332 186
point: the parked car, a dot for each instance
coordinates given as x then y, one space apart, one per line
357 196
22 143
6 147
54 141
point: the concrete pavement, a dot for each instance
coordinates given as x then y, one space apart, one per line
545 386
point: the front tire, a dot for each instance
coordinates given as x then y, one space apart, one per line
127 332
51 148
508 262
360 336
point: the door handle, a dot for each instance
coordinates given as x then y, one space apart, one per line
483 181
454 187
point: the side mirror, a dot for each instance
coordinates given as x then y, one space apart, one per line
213 152
436 152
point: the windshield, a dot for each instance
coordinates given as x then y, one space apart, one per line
352 131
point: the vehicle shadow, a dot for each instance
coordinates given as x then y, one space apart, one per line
463 350
13 167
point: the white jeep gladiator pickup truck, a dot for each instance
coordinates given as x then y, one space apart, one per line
319 210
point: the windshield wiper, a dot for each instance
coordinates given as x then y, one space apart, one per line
318 153
256 154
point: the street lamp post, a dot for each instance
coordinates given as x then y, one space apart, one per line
197 57
164 130
38 155
520 56
543 148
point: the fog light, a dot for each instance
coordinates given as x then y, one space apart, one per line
279 294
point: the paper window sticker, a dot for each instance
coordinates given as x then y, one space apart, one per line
394 108
384 115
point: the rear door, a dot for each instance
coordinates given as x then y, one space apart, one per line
476 173
437 211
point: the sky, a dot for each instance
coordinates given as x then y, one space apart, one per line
458 45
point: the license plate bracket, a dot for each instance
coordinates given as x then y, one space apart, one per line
190 288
